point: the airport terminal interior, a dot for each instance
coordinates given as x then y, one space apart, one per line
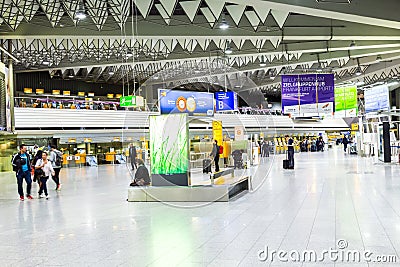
199 133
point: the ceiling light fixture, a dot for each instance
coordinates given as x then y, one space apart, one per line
353 45
358 70
263 63
80 13
228 50
379 58
129 53
224 25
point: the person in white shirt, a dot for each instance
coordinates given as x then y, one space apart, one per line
47 168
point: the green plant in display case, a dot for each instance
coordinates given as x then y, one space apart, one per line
169 149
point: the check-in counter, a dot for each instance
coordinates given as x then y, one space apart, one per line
110 157
74 160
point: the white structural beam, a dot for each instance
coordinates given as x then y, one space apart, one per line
315 12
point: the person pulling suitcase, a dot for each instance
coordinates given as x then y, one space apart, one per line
290 152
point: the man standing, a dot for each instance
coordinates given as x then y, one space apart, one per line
22 166
133 156
345 143
215 155
290 147
55 159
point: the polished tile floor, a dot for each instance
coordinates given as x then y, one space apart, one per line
331 200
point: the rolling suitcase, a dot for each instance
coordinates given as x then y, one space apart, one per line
286 164
206 165
286 161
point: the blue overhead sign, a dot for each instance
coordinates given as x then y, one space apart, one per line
377 99
226 101
193 103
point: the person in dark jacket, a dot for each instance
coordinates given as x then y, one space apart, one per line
215 155
345 142
38 155
290 151
22 165
133 156
142 176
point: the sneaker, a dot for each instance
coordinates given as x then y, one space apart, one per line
29 197
47 197
21 198
58 187
40 195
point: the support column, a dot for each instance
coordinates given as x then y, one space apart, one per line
11 122
386 142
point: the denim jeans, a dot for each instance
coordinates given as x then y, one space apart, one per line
43 185
291 158
28 179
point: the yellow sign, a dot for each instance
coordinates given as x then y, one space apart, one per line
110 95
71 140
217 131
87 140
56 92
28 90
81 93
354 126
39 91
66 92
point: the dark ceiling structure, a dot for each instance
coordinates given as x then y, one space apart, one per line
222 42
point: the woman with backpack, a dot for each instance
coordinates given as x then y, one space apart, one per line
56 163
47 170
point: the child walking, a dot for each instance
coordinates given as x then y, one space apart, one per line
48 171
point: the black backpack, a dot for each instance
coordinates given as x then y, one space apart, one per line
18 163
59 160
15 167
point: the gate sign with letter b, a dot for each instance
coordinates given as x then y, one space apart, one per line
226 101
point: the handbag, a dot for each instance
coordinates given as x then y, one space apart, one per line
39 173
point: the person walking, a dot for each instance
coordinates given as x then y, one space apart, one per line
46 166
290 148
22 166
215 155
345 142
56 162
133 156
265 149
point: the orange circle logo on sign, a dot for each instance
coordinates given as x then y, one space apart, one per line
181 103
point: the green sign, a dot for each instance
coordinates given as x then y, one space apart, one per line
127 101
346 101
169 135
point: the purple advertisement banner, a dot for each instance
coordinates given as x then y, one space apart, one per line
290 90
307 89
326 88
308 94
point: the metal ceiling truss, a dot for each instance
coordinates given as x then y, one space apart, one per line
126 41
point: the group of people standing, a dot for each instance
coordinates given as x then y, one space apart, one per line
43 166
313 145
